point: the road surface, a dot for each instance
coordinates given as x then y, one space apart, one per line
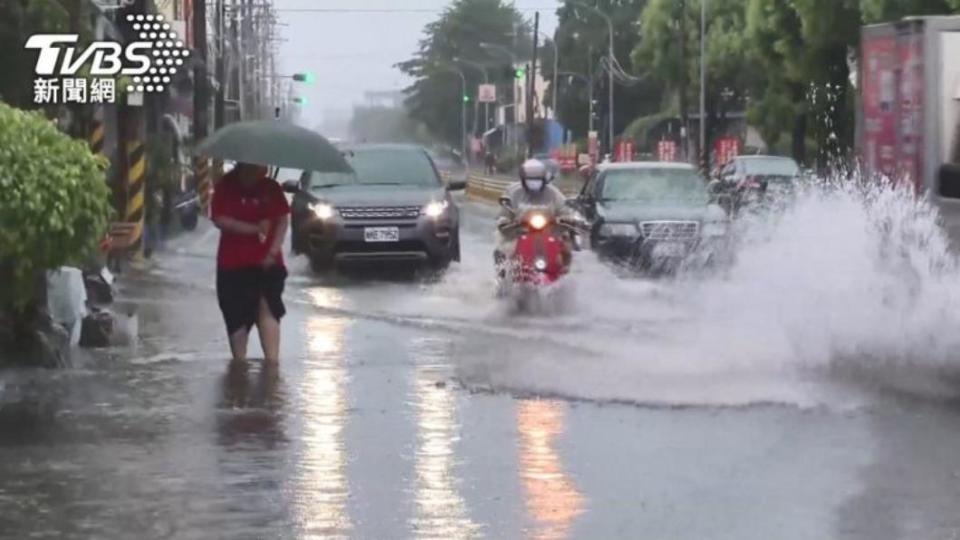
411 409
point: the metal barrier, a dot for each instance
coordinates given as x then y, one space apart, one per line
485 187
490 188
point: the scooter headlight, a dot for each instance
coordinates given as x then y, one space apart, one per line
435 209
540 264
538 221
323 211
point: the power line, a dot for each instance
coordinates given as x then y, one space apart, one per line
388 10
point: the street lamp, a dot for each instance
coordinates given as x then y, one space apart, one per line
609 67
486 80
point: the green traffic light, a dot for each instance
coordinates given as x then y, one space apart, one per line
520 73
305 77
466 99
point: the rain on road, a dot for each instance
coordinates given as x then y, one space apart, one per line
404 409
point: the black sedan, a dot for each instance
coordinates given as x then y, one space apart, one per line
652 216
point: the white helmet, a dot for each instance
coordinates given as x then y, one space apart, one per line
534 175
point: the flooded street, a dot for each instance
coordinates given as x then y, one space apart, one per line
405 421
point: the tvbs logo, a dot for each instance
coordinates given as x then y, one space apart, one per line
106 58
148 64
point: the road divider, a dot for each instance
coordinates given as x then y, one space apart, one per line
491 188
486 188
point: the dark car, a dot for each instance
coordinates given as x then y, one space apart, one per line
748 180
652 215
393 207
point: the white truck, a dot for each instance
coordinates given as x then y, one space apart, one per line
910 107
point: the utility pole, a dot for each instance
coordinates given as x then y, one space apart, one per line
704 153
219 106
684 113
532 84
201 101
201 95
590 87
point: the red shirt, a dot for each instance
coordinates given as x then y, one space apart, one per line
263 200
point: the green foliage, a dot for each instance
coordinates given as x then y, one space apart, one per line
582 40
887 10
54 206
436 95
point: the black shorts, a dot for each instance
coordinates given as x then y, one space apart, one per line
239 291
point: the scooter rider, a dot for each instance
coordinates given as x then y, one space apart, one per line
533 192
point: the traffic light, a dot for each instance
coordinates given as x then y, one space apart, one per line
466 98
520 73
305 77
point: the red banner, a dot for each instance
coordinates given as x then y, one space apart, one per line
725 149
667 151
624 151
910 107
879 104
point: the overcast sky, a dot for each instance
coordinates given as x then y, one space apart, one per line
351 52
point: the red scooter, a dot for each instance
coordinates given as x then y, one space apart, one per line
542 252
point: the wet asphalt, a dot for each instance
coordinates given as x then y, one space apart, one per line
374 426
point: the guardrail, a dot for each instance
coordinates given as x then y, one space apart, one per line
485 187
491 188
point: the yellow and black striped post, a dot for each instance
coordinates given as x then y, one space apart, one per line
201 170
136 184
97 137
217 173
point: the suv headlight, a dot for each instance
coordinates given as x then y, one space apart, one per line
322 210
435 209
714 228
618 229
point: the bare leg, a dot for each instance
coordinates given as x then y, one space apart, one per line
269 329
238 345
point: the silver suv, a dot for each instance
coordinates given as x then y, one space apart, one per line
392 208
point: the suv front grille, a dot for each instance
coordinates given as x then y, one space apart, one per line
670 230
379 212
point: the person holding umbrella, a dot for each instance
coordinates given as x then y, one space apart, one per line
252 213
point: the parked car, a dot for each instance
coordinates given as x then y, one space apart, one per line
393 207
748 180
653 216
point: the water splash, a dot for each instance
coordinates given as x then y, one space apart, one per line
851 276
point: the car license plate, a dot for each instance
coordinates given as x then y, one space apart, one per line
669 249
381 234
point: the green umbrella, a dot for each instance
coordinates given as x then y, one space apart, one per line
274 143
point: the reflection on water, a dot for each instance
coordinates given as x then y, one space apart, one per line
323 489
440 511
552 498
252 404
